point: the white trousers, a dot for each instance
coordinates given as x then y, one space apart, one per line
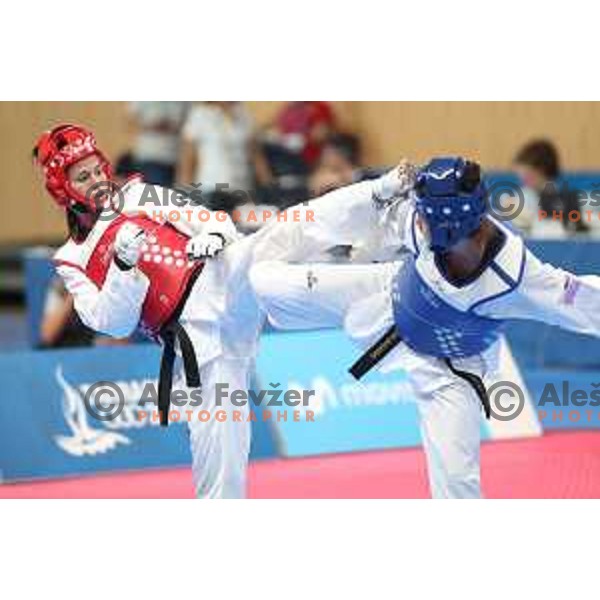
450 419
224 320
219 432
321 295
220 448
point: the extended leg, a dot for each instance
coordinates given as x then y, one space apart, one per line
342 217
314 295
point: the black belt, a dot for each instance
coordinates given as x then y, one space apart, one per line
170 334
389 340
381 348
476 383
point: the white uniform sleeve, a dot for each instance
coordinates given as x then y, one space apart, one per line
346 216
113 310
553 296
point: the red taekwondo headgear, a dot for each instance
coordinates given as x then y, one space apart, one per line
59 149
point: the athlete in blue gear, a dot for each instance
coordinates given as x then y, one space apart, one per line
438 312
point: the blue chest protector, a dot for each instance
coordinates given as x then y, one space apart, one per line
430 325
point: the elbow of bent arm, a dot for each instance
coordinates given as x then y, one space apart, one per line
108 322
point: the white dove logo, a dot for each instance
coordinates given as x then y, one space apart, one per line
85 440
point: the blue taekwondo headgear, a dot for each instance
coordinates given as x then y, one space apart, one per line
451 198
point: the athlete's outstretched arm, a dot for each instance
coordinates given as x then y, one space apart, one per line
553 296
343 217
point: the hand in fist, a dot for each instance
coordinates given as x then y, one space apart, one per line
407 176
397 183
205 245
128 245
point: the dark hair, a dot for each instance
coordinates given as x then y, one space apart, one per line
471 177
542 156
348 145
80 221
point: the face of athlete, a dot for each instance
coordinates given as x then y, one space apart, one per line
85 174
458 246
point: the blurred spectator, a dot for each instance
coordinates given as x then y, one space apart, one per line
538 167
338 165
341 151
156 144
219 147
325 180
293 143
61 326
304 127
124 166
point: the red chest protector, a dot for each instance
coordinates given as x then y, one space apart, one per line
163 261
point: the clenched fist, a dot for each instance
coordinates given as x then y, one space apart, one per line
397 183
205 245
128 245
407 176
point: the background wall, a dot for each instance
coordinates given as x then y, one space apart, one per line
488 131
